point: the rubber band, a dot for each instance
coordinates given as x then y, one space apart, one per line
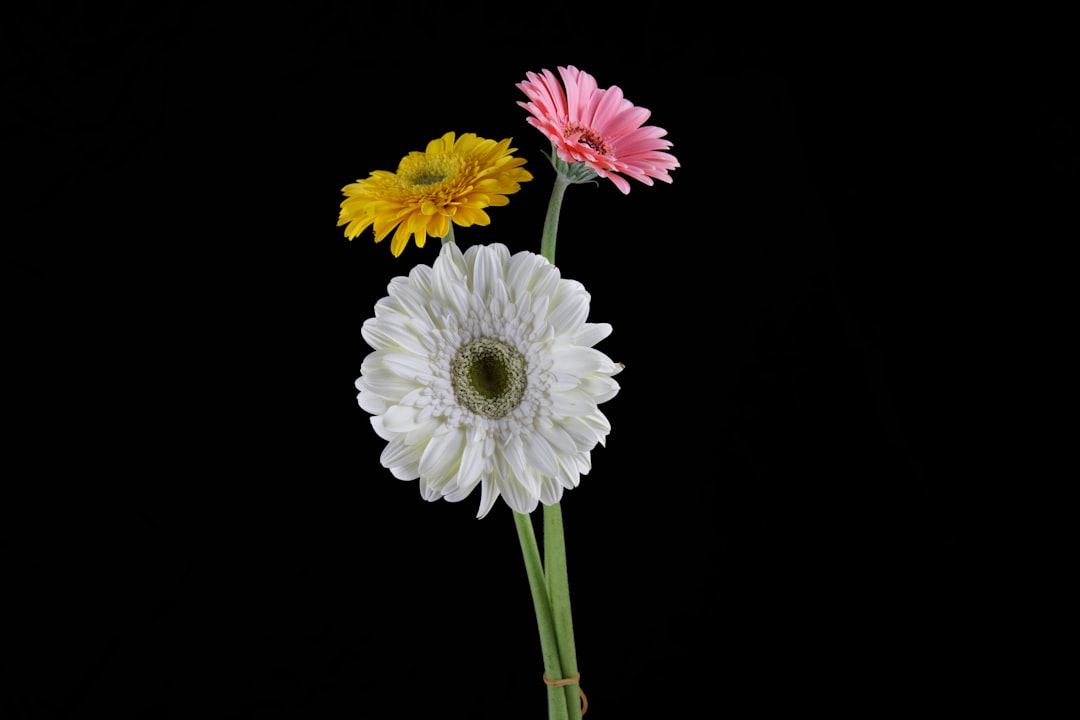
576 680
560 683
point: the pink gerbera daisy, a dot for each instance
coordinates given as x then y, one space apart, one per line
597 127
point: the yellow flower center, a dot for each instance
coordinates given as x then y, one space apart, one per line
586 136
488 377
424 170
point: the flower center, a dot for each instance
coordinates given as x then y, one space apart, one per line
421 170
586 136
488 377
429 179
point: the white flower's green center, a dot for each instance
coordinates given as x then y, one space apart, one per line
489 377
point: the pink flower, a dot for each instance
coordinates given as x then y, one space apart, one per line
597 126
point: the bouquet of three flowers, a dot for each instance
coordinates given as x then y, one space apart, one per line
484 371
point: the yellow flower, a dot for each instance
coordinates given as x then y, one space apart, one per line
450 181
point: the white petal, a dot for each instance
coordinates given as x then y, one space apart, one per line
579 362
453 298
450 254
487 272
600 388
489 493
403 473
550 491
573 402
387 384
449 287
591 333
428 428
545 278
403 460
420 278
414 302
377 425
442 456
428 491
514 454
521 492
569 314
539 307
408 365
498 299
383 335
559 440
372 403
569 477
583 461
584 435
539 454
401 419
519 274
372 361
599 423
473 460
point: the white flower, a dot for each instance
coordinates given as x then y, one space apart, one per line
483 373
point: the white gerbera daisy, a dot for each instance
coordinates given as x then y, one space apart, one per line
483 373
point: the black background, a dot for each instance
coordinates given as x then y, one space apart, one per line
199 525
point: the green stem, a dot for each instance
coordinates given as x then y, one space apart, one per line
557 708
449 237
554 568
559 594
551 220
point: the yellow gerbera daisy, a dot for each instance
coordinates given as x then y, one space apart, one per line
452 180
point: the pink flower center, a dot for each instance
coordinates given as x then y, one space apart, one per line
586 136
